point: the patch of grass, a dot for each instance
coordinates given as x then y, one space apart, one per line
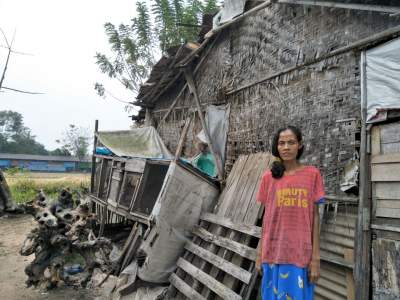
24 186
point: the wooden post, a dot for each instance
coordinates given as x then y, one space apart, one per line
96 128
192 87
182 138
349 258
332 4
185 86
363 233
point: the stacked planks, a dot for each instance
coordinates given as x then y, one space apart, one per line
219 262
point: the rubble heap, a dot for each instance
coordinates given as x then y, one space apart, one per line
65 247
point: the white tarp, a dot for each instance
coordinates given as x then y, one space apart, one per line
217 120
229 10
383 80
139 142
182 199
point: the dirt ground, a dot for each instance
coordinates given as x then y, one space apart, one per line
13 230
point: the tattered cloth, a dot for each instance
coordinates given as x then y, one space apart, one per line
139 142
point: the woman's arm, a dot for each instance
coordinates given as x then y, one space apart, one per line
314 268
259 254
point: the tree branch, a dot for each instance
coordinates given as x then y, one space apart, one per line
5 38
5 67
21 91
17 52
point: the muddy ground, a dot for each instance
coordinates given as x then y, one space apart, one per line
13 230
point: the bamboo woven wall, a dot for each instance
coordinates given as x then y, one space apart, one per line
323 99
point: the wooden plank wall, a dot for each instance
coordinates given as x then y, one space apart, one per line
219 262
385 177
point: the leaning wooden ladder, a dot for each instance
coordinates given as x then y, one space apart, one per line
219 262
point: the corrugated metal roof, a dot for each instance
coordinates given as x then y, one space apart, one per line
41 157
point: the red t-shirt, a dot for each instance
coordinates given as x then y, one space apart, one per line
289 215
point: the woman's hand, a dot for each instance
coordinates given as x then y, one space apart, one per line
314 270
258 264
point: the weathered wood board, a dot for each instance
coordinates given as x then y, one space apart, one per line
385 270
224 246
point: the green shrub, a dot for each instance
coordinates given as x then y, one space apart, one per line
24 189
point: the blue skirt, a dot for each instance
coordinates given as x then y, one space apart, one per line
285 282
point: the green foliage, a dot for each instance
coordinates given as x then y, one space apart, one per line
210 7
165 19
15 137
24 186
171 23
60 152
13 171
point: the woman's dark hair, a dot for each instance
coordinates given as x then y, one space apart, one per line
278 167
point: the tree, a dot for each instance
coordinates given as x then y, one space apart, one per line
132 50
15 137
60 152
135 46
3 75
76 141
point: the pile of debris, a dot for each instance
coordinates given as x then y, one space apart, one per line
65 247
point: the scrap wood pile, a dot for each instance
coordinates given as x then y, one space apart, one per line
219 261
66 250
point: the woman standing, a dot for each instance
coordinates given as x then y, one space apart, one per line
289 252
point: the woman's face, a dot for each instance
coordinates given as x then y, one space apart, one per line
288 145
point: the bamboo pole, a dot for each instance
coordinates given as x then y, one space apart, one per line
185 86
182 138
93 171
363 233
193 90
354 6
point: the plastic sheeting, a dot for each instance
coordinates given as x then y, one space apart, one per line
217 120
182 199
205 163
145 293
383 80
230 9
139 142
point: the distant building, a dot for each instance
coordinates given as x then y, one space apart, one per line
44 163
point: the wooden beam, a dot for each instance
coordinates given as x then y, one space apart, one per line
363 233
386 158
193 90
244 228
182 138
353 6
336 261
349 257
93 171
210 282
226 243
219 262
185 86
385 227
342 199
184 288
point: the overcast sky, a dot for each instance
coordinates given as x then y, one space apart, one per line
63 37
